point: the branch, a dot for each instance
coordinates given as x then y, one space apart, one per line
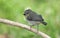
12 23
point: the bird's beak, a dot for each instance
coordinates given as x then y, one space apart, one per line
24 14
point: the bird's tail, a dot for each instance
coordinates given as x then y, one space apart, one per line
44 23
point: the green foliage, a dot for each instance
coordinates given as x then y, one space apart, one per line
14 9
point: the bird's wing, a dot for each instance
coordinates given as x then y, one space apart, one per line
41 17
29 18
37 18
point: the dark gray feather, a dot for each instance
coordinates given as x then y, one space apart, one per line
34 17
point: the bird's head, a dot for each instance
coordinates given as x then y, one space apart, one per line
27 12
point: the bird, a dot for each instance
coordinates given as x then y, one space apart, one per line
33 18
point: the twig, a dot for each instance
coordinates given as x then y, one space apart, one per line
12 23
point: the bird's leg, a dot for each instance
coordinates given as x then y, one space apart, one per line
31 26
37 28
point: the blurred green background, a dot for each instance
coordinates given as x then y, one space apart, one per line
14 9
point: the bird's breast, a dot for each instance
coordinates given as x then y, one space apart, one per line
33 22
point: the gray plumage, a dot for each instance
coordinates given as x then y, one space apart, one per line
33 18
